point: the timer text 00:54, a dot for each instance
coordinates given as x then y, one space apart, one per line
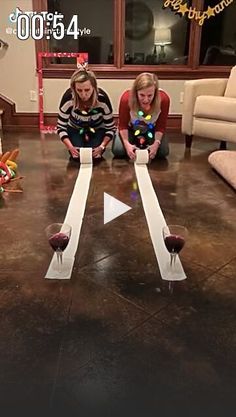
36 27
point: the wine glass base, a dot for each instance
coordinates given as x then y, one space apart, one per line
62 271
173 272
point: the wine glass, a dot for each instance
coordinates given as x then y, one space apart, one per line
174 237
58 235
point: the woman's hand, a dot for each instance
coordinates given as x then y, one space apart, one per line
74 151
97 152
130 149
153 149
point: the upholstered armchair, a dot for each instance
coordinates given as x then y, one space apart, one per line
209 109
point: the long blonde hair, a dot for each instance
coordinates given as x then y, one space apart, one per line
144 80
80 76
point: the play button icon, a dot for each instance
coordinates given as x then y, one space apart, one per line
113 208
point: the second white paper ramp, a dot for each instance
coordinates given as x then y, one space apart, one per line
74 216
155 220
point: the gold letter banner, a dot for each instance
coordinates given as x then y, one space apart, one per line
192 13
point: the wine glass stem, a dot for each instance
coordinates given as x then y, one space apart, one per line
171 287
172 259
59 260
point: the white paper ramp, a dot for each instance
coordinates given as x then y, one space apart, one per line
113 208
74 216
155 220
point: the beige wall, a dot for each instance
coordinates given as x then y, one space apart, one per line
54 89
18 76
17 63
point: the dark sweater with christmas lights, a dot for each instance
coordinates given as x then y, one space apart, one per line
99 117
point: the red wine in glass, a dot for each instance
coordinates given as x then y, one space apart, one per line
174 238
174 243
58 235
59 241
